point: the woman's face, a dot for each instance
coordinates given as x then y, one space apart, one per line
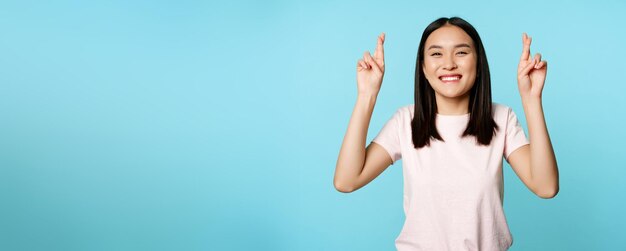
450 62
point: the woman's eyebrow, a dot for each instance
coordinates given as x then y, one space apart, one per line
434 46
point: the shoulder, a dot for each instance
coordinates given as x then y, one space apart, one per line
500 111
405 111
403 114
407 108
505 116
500 108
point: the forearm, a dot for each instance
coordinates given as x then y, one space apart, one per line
352 154
543 166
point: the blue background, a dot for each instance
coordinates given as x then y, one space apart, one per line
192 125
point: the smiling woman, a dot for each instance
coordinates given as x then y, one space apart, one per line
452 142
454 48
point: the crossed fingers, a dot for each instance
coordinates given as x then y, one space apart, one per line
527 62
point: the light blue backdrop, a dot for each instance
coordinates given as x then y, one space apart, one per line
198 125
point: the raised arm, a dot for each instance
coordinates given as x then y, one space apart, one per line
356 165
535 164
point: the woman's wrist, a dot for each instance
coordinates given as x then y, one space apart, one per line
367 95
367 99
531 100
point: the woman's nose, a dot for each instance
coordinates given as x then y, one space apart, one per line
449 64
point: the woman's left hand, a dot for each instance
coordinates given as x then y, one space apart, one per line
531 72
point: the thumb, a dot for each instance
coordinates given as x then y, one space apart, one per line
372 62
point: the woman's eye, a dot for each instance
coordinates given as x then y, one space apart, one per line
462 53
436 54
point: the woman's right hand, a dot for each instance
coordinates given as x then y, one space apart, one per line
370 70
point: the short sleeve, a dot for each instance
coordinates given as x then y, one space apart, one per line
389 137
515 136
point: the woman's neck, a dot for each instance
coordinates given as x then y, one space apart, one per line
452 106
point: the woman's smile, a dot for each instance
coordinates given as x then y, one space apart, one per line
450 78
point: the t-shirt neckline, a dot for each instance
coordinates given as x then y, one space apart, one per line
463 118
453 116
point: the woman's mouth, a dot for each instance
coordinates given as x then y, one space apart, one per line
450 78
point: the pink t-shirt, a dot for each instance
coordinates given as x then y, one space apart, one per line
453 190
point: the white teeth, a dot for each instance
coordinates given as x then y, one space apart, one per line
450 78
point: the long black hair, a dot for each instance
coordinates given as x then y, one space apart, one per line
481 123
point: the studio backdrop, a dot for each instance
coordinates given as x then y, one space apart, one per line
216 125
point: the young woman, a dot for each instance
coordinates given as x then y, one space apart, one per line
452 141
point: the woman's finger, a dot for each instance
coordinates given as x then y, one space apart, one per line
537 59
527 68
526 40
366 54
371 62
363 64
379 54
541 64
